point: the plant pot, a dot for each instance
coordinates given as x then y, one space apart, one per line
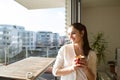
112 66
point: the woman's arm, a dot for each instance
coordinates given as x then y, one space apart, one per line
64 71
58 67
90 67
90 75
67 70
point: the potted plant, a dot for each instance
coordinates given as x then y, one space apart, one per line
99 45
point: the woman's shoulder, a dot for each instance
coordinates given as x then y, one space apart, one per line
67 45
92 53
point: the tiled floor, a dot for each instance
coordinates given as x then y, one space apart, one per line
49 76
104 76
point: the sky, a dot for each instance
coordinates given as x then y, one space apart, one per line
13 13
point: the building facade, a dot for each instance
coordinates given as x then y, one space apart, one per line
10 40
29 40
44 39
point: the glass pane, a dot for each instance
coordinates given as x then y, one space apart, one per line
25 33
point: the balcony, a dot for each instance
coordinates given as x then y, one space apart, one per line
51 53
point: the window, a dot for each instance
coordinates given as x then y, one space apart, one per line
29 23
45 27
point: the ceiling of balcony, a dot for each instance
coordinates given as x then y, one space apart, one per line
39 4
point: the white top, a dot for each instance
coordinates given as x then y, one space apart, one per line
65 58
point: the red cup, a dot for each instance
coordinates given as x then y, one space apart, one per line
78 58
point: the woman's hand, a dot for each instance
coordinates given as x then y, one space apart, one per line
75 66
80 62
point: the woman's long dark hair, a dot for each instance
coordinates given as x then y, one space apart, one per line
80 27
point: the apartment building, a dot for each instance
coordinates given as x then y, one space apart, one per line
44 39
10 40
56 39
29 40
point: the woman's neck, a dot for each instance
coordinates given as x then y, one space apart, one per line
78 49
78 45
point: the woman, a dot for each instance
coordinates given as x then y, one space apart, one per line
67 65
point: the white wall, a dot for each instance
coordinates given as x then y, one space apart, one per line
107 20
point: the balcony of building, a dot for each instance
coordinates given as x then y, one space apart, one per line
101 15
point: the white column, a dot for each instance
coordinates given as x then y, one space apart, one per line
26 51
47 51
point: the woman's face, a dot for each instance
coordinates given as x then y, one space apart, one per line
74 35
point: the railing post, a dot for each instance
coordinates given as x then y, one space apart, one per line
6 55
47 52
26 51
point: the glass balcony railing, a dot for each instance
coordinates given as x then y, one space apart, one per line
9 57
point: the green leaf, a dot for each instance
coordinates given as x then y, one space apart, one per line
99 45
